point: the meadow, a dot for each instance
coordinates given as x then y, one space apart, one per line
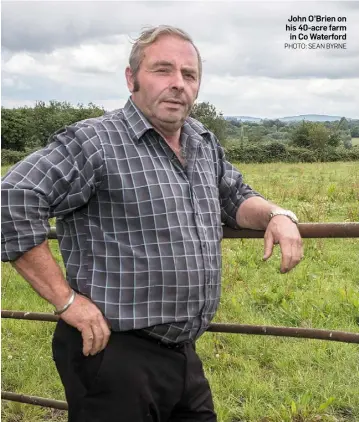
253 378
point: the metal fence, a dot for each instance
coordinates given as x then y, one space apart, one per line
307 230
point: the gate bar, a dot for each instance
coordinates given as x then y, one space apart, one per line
38 401
307 230
299 332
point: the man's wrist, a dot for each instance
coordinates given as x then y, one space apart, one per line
65 307
286 213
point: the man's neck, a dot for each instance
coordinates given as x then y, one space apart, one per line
172 138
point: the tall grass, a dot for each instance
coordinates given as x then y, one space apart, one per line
253 378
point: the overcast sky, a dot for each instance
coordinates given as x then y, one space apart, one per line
77 51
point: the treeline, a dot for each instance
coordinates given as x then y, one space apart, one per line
305 141
26 129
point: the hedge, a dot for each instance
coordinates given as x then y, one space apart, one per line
259 153
276 151
8 156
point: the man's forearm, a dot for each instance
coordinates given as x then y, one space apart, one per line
254 213
40 269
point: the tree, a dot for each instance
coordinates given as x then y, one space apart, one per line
319 136
16 128
312 135
354 132
334 139
49 118
27 128
257 133
347 141
343 124
300 135
207 114
234 122
269 123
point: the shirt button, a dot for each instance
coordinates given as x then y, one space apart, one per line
203 245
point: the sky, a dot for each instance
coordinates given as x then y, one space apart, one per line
77 51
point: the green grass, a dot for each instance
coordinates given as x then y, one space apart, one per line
355 141
253 378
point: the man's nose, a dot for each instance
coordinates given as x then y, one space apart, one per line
177 81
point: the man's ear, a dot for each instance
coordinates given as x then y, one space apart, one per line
129 79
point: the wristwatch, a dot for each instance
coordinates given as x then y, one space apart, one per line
287 213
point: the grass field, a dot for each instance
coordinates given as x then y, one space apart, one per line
355 141
253 378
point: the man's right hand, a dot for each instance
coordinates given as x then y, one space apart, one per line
84 315
40 269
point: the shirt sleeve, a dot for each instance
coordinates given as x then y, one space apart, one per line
232 189
51 182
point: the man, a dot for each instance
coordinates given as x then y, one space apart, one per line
139 195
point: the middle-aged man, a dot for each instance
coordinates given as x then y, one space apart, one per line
139 197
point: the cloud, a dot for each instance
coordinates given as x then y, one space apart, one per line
78 51
267 97
40 26
44 26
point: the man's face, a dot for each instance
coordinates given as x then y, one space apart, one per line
167 82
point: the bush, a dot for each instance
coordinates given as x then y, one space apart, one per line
350 154
268 153
16 128
277 151
277 136
301 155
9 156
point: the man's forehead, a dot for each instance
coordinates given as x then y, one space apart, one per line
172 50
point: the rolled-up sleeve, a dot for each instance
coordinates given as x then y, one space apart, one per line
232 189
51 182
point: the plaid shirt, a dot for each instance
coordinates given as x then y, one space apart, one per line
139 233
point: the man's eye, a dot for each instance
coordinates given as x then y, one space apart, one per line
189 76
163 70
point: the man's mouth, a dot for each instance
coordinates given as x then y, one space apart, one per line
174 102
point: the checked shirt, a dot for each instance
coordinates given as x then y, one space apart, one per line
139 232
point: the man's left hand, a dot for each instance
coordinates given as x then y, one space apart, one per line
281 230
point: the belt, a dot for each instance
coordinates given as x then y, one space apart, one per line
147 336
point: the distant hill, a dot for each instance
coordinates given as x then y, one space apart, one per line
308 117
311 118
244 118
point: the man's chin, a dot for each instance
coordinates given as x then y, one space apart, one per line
172 118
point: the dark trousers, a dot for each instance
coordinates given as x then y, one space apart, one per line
135 379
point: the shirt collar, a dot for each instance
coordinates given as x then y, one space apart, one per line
138 124
194 129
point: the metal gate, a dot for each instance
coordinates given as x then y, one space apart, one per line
307 230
